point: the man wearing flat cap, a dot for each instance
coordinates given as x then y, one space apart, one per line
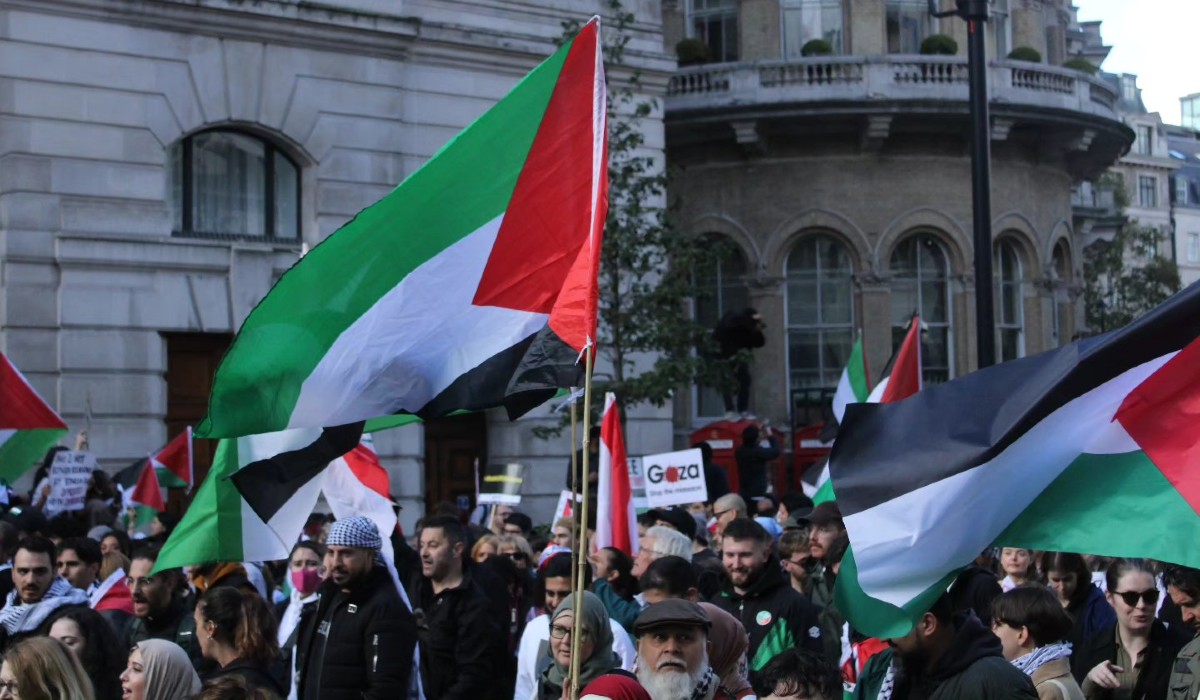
673 651
360 641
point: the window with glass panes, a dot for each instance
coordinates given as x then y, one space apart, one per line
1181 190
1001 29
1062 279
229 184
1010 312
715 22
805 20
820 311
720 289
908 23
1147 191
1144 144
921 283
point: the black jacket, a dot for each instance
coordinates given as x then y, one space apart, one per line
775 616
753 465
255 676
177 625
737 330
357 644
973 668
460 639
1154 680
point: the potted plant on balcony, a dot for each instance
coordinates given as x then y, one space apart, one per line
692 52
939 45
816 47
1081 64
1025 53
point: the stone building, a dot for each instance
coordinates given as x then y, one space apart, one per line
162 162
844 182
1184 148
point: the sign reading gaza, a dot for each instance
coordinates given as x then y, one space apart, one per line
674 478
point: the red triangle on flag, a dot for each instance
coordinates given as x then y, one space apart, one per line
146 491
176 457
20 406
365 466
905 377
1160 415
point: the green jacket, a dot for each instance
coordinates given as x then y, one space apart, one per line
1185 673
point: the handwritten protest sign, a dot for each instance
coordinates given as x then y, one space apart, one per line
69 476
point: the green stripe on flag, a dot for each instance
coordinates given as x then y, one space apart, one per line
824 493
26 449
856 371
467 184
168 480
211 529
872 616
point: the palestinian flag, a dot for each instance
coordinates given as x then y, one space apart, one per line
220 526
616 518
1089 448
902 376
140 491
28 427
854 385
111 594
174 462
471 285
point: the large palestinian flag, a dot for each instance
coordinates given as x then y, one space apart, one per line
471 285
28 427
1091 448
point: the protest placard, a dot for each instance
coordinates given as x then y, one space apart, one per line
566 505
501 483
674 478
69 476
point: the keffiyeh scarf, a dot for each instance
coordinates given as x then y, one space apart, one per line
1042 655
18 617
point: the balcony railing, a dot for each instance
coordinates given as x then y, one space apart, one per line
884 78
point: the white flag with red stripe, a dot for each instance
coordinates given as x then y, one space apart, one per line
616 519
357 484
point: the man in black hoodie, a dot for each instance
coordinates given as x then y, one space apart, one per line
359 643
737 331
774 614
952 656
459 630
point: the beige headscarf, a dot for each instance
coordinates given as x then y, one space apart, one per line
729 645
169 672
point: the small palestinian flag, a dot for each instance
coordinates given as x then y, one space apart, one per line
140 491
174 462
854 384
28 427
471 285
1089 448
219 526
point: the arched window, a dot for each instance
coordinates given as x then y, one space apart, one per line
1061 317
720 289
921 283
1009 304
229 184
820 312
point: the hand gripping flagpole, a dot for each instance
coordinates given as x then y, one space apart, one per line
581 555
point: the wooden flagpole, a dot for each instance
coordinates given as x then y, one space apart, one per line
581 555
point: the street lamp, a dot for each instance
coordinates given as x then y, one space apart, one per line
975 12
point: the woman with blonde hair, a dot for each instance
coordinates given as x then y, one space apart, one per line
488 546
41 668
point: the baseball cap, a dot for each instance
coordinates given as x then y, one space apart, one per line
825 513
673 611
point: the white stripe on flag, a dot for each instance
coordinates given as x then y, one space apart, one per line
270 541
5 435
904 546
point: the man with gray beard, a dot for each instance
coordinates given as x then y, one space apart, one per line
673 651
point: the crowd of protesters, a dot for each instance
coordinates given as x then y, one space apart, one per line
733 598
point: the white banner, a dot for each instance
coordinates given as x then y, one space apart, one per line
69 476
674 478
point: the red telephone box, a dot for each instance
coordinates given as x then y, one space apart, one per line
725 437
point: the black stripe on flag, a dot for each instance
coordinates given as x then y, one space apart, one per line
886 450
268 484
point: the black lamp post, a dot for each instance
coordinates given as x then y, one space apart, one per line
975 12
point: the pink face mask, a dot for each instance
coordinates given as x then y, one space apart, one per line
305 580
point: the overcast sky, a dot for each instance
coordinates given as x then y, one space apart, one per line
1156 40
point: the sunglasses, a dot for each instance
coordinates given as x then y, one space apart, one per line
1131 597
516 556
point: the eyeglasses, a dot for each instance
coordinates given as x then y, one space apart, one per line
1131 597
558 632
8 690
719 513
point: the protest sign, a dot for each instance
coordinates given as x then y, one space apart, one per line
69 476
637 483
502 484
566 506
674 478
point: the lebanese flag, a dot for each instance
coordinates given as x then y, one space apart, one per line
112 594
616 518
174 462
1091 447
28 426
471 285
902 376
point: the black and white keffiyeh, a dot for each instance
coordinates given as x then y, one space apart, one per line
18 617
357 531
1042 655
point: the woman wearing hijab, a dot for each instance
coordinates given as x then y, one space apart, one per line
159 670
729 645
595 647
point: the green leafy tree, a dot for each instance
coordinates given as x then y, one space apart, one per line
650 343
1126 277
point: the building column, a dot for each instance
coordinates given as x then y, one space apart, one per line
759 30
867 28
769 380
875 295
